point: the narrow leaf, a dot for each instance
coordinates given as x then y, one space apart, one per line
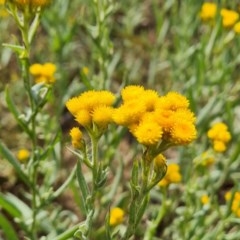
6 153
7 228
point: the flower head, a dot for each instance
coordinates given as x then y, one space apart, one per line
148 133
236 28
220 136
229 17
43 73
76 136
173 175
204 199
116 216
208 11
23 155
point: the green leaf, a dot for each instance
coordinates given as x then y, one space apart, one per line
7 228
6 153
142 209
82 183
14 111
9 207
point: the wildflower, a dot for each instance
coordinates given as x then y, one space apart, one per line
102 115
204 199
236 28
23 155
148 133
229 17
173 101
160 163
220 136
183 132
208 11
131 92
43 73
92 107
76 136
173 175
116 216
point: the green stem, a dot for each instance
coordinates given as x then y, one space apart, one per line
151 230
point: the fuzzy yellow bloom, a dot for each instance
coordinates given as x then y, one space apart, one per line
208 11
92 107
23 155
229 17
205 199
173 101
76 136
43 73
148 133
102 115
220 136
183 132
236 28
116 216
84 117
129 113
173 175
132 92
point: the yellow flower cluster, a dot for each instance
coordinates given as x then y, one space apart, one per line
220 136
92 107
43 73
235 207
229 17
152 118
116 216
23 155
173 175
208 11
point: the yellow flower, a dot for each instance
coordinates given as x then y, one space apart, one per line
43 73
229 17
116 216
204 199
148 133
183 132
102 115
173 175
131 92
129 113
84 117
208 11
236 28
2 2
23 155
219 146
220 136
173 101
73 105
76 136
160 163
